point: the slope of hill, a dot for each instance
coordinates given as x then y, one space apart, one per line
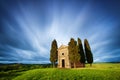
97 72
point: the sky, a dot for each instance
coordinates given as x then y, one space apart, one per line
27 28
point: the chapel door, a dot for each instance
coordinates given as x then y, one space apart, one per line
63 63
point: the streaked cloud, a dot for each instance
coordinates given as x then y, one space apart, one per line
28 28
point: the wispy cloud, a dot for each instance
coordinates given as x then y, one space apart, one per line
29 28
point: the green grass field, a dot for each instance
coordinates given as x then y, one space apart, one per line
101 71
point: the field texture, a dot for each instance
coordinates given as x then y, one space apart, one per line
106 71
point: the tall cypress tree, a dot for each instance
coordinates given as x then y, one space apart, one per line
88 52
54 52
81 52
74 56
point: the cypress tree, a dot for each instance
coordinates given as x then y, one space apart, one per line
54 52
74 57
81 52
88 52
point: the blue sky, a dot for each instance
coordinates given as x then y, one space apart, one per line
27 28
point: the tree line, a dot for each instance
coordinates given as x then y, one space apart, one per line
76 52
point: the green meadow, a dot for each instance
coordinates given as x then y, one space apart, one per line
99 71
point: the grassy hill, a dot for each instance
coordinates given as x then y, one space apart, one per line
10 71
103 71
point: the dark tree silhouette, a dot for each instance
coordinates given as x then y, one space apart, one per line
81 52
54 52
88 52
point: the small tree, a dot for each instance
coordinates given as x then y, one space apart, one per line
81 52
54 52
88 52
74 57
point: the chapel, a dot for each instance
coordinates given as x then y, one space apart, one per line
63 58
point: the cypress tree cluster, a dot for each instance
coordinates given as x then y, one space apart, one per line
76 52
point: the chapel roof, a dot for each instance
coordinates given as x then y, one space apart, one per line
62 47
